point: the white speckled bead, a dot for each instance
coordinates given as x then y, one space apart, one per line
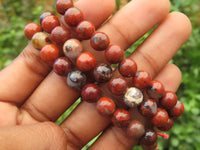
76 79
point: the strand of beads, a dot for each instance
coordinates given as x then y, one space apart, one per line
83 73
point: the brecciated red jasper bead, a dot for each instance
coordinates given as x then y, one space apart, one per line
49 23
49 53
114 54
90 93
149 137
169 100
148 108
141 79
84 30
76 79
127 67
105 106
43 15
121 118
62 66
117 85
160 118
30 29
73 16
99 41
155 90
59 35
150 147
167 126
86 61
63 5
177 110
135 129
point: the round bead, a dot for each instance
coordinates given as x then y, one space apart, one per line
114 54
63 5
135 129
149 137
90 93
141 79
148 108
30 29
86 61
167 126
160 118
73 16
76 79
121 118
169 100
40 39
60 35
127 67
43 15
62 66
49 53
99 41
49 23
150 147
133 97
84 30
177 110
155 90
117 85
105 106
102 73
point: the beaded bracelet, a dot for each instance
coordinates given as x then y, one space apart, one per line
83 73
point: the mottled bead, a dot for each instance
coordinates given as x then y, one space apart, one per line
43 15
105 106
141 79
169 100
133 97
155 90
49 53
117 85
167 126
73 16
90 93
114 54
135 129
148 108
160 118
62 66
84 30
86 62
150 147
127 67
60 35
177 110
40 39
76 79
49 23
121 118
149 137
99 41
30 29
102 73
63 5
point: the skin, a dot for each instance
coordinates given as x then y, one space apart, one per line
30 102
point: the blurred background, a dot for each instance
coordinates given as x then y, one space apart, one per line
185 135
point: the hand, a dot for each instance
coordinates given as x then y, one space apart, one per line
32 97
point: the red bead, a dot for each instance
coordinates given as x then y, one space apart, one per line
150 147
99 41
43 15
62 66
73 16
155 90
49 23
30 29
114 54
84 30
127 67
121 118
90 93
49 53
148 108
149 138
135 129
117 85
105 106
169 100
141 79
59 35
167 126
63 5
160 118
177 110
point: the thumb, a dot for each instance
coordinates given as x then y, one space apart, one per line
40 136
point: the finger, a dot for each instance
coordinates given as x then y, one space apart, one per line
20 78
31 137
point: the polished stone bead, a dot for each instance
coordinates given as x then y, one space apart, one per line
135 129
63 5
62 66
76 79
105 106
117 85
127 67
30 29
40 39
155 90
84 30
49 23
